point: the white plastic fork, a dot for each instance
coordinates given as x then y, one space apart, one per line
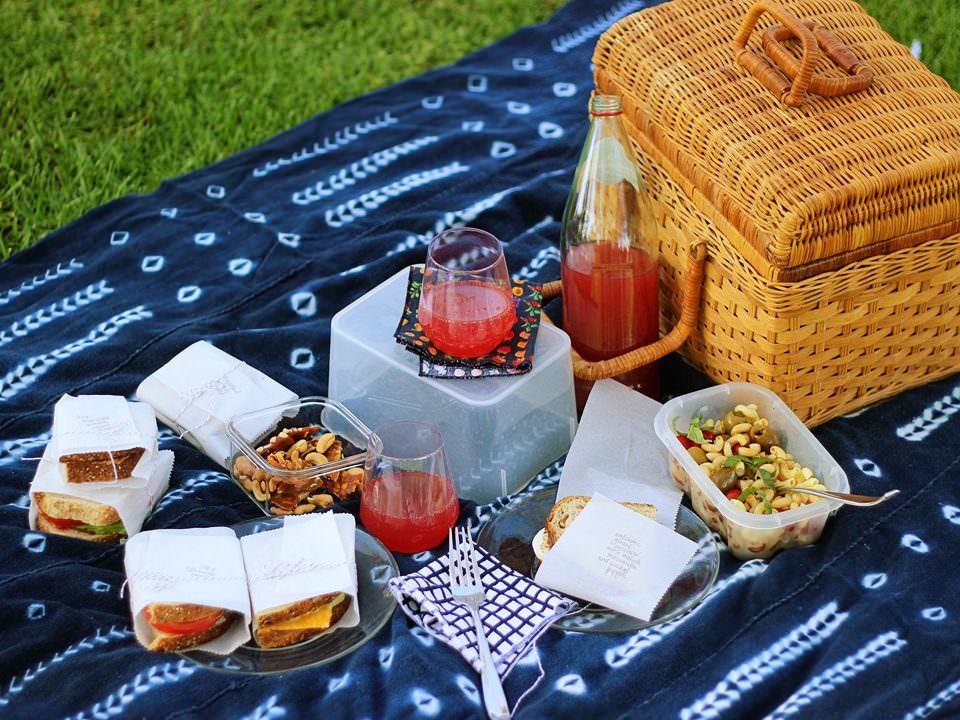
466 585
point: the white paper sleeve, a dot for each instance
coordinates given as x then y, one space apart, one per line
202 566
98 423
200 389
617 452
308 556
133 504
617 558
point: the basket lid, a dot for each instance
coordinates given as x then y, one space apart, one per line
812 187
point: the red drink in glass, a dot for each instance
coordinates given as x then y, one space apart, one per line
409 511
466 305
467 319
611 306
408 503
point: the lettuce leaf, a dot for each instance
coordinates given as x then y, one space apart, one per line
116 528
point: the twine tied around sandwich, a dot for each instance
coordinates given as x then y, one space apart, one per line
109 450
301 566
154 580
195 397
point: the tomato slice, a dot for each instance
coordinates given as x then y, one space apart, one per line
188 627
62 523
685 441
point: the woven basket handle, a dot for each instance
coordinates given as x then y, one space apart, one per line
813 38
602 369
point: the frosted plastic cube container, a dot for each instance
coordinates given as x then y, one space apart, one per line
746 534
499 432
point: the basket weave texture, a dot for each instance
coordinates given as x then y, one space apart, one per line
810 188
833 269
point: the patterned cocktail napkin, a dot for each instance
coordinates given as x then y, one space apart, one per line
513 356
516 613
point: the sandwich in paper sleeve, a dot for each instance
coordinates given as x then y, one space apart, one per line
302 578
104 439
615 557
617 452
192 583
201 388
110 512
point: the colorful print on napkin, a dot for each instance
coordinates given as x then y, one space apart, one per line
514 356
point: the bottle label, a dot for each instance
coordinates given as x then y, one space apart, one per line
614 165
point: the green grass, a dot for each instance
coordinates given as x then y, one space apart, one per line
100 98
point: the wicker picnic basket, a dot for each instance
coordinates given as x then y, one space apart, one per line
829 207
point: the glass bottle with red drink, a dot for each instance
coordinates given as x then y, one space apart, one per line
609 253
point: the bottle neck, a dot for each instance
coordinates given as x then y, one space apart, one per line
605 106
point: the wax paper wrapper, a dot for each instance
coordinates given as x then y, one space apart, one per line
307 556
133 504
616 452
617 558
105 423
202 388
202 566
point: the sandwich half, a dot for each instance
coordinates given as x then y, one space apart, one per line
565 512
181 626
299 621
100 466
78 518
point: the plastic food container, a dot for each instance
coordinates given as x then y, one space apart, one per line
280 491
499 432
749 535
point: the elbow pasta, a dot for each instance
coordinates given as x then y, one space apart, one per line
742 456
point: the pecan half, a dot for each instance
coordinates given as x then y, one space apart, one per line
286 438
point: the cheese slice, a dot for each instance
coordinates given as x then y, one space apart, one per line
317 619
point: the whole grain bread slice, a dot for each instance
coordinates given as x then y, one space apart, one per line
179 612
166 642
269 637
68 507
101 466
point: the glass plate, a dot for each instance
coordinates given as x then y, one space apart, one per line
509 534
375 565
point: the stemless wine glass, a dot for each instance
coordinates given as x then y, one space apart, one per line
466 305
408 501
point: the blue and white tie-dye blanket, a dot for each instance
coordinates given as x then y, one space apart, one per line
256 253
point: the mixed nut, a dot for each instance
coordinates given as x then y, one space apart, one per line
298 449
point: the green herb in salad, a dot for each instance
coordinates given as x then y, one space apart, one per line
694 431
753 462
747 493
768 478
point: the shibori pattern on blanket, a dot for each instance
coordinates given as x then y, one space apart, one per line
256 253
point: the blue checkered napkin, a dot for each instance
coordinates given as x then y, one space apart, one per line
516 613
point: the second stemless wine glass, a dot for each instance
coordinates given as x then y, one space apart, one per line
408 501
466 305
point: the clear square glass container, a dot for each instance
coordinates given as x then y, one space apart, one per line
499 432
299 485
750 535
